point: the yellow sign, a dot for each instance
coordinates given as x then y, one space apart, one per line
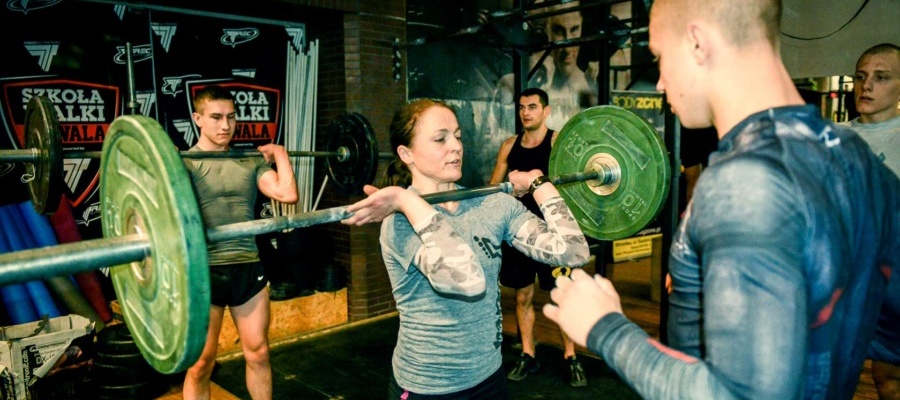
633 247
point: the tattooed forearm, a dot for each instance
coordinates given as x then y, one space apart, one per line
447 260
556 239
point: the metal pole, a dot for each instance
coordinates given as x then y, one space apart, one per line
24 155
27 265
71 258
132 105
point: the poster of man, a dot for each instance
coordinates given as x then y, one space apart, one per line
568 73
482 37
571 86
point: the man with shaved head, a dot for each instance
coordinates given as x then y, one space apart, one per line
781 263
876 91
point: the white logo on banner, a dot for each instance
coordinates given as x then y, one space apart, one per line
72 170
91 213
27 5
174 84
298 37
44 51
119 9
247 72
186 127
165 32
146 100
138 54
234 37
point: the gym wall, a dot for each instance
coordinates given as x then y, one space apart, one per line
80 64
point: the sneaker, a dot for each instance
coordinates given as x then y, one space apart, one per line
577 378
526 365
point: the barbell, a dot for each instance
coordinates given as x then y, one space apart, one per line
352 158
156 243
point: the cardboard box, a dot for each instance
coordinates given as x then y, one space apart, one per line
7 389
29 351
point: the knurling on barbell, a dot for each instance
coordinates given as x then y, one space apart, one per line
155 241
351 159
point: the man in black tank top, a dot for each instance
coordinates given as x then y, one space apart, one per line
524 152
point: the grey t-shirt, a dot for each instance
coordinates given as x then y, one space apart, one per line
448 344
226 191
883 138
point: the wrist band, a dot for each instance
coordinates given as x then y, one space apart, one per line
537 182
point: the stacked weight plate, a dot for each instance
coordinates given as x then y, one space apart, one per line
120 371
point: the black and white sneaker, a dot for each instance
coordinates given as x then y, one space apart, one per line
577 377
526 365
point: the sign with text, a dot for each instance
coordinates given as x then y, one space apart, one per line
634 247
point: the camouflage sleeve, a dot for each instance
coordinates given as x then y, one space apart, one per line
555 240
447 260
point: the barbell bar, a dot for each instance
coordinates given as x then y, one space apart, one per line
34 155
352 158
156 243
87 255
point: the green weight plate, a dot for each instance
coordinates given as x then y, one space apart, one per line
42 133
350 173
617 140
146 190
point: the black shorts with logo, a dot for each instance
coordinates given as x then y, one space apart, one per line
235 284
518 270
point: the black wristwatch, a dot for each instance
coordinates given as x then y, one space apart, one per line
537 182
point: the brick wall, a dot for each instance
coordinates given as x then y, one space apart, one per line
355 75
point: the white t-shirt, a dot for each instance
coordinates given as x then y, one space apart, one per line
883 138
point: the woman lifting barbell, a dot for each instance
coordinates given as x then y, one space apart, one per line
444 260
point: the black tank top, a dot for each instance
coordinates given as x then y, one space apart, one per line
523 159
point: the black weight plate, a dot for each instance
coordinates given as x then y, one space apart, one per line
42 133
115 339
352 132
115 375
137 391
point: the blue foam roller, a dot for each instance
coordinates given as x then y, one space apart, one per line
19 239
38 225
65 288
15 297
18 304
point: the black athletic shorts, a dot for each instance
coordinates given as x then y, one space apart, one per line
518 270
235 284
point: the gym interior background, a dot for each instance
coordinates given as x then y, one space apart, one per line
368 57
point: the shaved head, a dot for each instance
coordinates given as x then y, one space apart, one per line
884 48
741 22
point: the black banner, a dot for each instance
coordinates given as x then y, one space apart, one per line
74 53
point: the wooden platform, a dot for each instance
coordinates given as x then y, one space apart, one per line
215 392
291 318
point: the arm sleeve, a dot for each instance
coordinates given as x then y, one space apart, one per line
556 239
754 321
446 259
